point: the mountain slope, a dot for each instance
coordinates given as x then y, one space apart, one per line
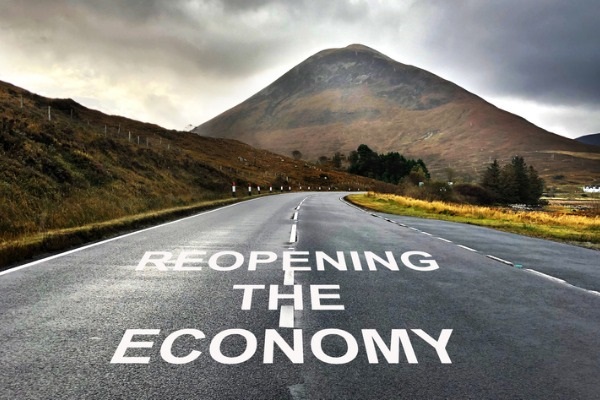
83 166
340 98
593 139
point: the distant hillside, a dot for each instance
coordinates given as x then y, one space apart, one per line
340 98
593 139
84 166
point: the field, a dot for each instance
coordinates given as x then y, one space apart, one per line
560 223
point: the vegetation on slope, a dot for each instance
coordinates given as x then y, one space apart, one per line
63 166
391 167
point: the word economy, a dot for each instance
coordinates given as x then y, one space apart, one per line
398 348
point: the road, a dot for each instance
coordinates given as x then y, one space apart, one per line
302 296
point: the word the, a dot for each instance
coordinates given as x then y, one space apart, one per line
290 260
316 296
373 345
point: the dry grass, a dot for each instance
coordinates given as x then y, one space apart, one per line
83 168
28 246
578 229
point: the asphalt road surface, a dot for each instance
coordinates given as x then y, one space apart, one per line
302 296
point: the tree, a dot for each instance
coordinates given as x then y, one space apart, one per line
536 186
390 167
417 174
513 183
337 160
450 174
323 160
521 179
491 180
296 154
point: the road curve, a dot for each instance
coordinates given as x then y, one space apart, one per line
302 296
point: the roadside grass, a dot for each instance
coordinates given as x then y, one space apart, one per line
37 244
574 229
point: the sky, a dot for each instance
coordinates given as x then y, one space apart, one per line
178 63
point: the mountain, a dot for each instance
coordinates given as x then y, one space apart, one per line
593 139
340 98
63 165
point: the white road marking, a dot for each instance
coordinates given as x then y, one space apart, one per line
425 233
550 277
561 281
286 317
293 236
288 277
595 293
499 259
298 392
467 248
300 205
66 253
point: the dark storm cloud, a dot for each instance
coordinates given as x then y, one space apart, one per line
226 38
547 50
542 52
182 35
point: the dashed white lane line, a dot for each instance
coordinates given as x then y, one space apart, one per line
500 260
425 233
293 235
286 313
298 392
467 248
561 281
288 278
550 277
286 318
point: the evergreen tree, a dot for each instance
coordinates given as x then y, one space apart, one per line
521 178
514 183
390 167
491 180
337 160
536 186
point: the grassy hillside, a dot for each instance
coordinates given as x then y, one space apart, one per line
81 167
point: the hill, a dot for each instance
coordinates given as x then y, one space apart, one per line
63 165
593 139
339 98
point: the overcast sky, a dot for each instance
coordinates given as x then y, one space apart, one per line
178 63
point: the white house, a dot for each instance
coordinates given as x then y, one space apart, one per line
591 189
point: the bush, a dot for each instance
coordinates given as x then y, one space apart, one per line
473 194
